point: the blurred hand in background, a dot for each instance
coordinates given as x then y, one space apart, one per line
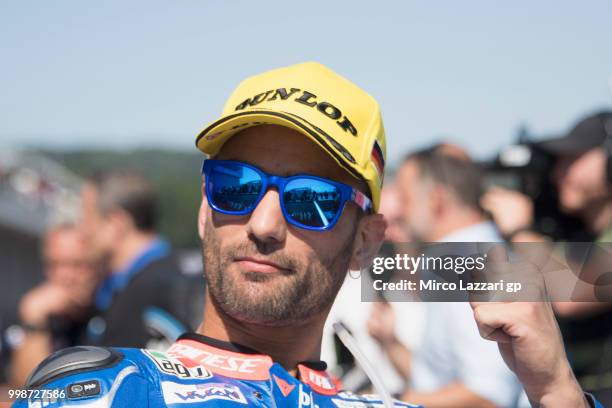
50 311
512 211
381 326
381 323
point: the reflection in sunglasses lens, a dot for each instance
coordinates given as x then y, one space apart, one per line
310 202
234 188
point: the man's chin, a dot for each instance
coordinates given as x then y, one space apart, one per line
259 320
258 277
256 308
259 288
570 207
255 298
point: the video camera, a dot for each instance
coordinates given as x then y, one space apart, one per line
526 168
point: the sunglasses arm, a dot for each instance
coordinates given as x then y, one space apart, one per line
361 200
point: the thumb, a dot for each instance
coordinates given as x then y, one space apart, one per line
489 321
498 253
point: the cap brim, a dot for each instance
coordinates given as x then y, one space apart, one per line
212 138
565 145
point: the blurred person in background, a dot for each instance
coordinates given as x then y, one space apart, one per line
352 312
391 209
54 313
454 366
142 300
583 177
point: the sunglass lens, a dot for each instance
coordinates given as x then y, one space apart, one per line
234 187
311 202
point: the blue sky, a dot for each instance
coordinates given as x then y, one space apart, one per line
139 73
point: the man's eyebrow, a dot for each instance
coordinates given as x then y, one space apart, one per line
286 173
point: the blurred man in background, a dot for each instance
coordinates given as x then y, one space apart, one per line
391 209
352 312
142 300
583 177
53 314
453 367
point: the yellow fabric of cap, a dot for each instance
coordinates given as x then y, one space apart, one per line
312 99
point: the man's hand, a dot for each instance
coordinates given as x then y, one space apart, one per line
529 338
512 211
381 324
49 299
35 307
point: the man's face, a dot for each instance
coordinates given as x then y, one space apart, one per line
414 197
67 260
260 269
391 208
581 180
97 230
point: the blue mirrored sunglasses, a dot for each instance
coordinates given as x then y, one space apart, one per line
309 202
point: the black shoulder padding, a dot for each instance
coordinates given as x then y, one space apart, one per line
71 361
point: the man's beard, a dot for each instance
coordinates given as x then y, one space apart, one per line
301 292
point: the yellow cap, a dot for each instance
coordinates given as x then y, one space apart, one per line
315 101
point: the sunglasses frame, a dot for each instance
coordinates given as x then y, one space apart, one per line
347 193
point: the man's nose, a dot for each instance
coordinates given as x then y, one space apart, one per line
60 274
267 223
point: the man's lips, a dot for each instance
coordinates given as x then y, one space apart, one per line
258 265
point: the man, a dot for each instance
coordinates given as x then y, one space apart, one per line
350 311
440 188
53 314
141 303
291 200
391 209
583 177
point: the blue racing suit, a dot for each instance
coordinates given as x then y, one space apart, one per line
196 371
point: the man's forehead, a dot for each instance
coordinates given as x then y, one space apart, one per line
282 151
63 235
408 177
408 169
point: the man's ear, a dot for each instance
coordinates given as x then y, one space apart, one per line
202 214
370 236
120 221
438 199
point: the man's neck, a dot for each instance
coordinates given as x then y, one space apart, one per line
287 346
598 216
129 248
454 222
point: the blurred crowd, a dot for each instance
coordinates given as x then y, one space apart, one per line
34 180
431 353
109 278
